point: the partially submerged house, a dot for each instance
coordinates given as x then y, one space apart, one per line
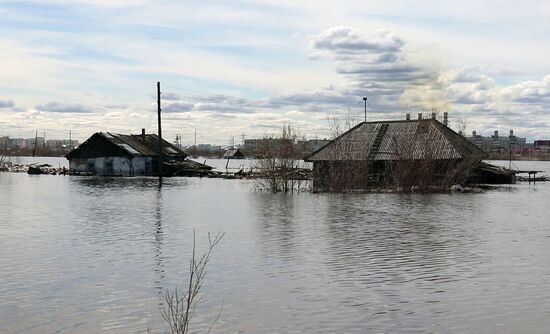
111 154
421 153
234 153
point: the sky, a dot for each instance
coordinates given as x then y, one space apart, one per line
245 68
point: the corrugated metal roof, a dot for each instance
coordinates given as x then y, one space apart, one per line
398 140
144 145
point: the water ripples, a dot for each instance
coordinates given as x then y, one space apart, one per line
90 255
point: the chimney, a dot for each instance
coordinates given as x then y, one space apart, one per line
446 118
419 115
434 115
143 135
408 117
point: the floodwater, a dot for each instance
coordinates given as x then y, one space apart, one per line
95 255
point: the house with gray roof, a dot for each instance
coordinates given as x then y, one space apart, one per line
403 153
112 154
233 153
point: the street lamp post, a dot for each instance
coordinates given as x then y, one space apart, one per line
365 99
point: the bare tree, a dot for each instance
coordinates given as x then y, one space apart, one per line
338 126
279 168
461 125
2 161
181 305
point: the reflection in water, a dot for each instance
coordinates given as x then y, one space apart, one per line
159 264
277 220
375 233
387 254
130 183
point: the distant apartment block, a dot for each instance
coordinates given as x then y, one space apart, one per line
542 147
4 142
59 144
17 144
254 147
499 144
208 148
312 145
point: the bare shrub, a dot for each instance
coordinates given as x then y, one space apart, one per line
181 305
278 167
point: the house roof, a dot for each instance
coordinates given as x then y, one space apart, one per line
235 152
398 140
133 145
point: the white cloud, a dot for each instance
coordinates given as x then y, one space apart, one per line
180 106
61 107
345 41
528 92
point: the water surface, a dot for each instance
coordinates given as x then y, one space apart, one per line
95 255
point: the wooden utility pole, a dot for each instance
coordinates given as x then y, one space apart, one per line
365 99
160 129
35 143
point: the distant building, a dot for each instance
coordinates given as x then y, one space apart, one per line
541 147
26 145
4 143
19 143
61 144
110 154
256 144
207 148
498 144
309 146
303 148
234 153
40 142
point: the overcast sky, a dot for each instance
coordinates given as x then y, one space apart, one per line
229 68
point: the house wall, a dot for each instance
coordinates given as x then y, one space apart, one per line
423 174
340 175
112 166
142 166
